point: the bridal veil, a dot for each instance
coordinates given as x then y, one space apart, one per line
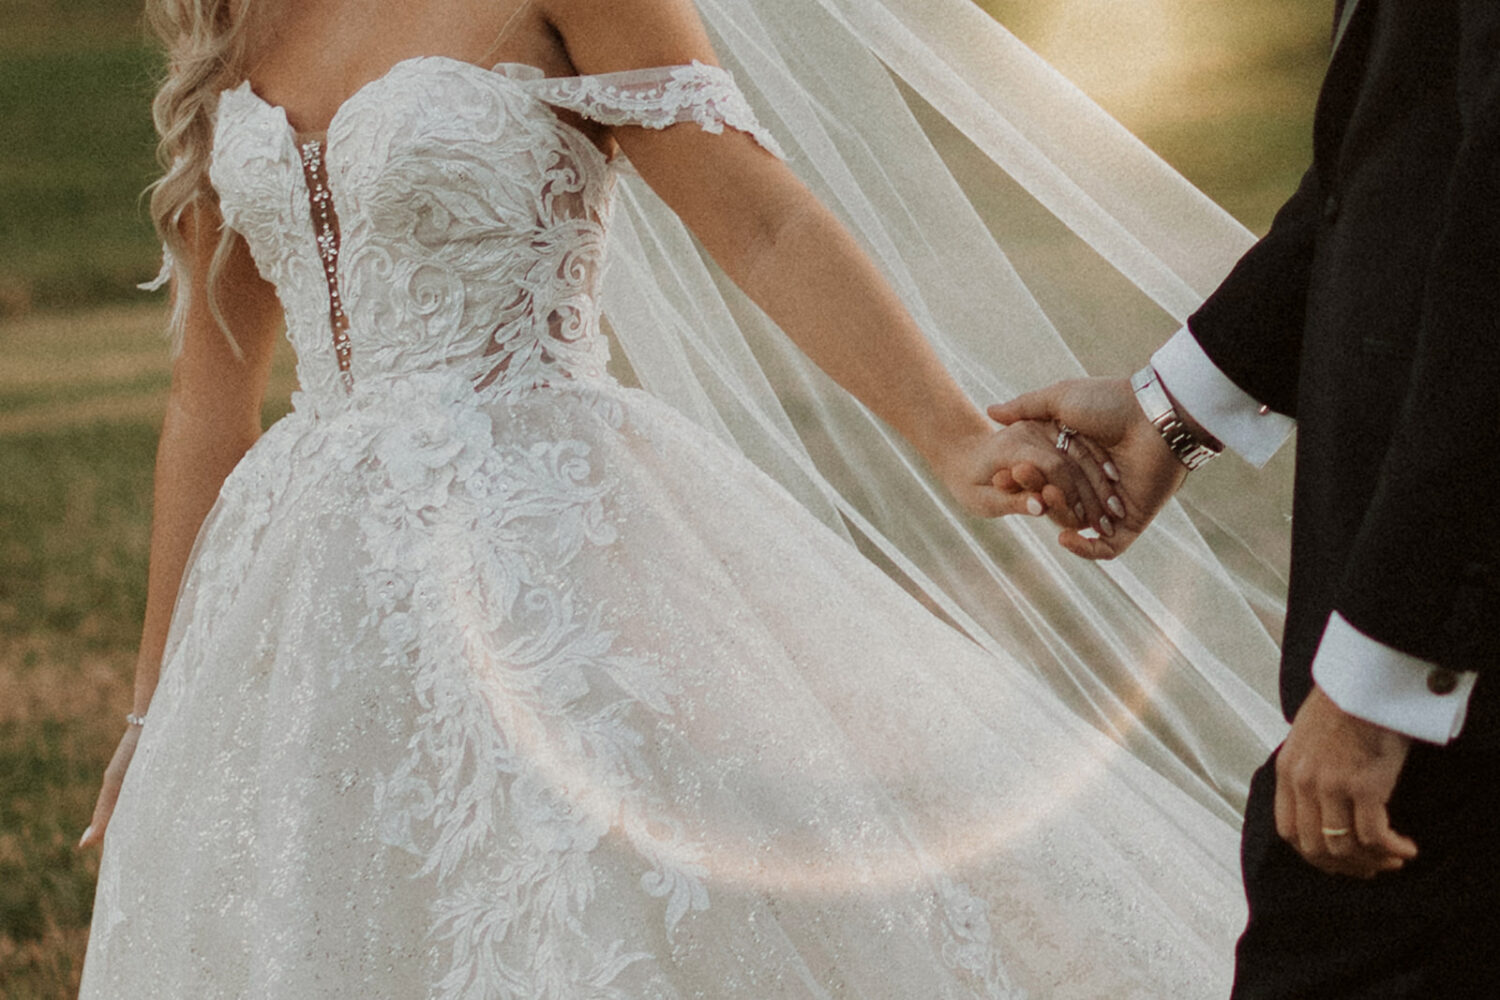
1032 237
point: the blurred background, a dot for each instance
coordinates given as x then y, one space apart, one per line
1222 89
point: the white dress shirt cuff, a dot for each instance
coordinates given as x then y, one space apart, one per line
1222 408
1390 688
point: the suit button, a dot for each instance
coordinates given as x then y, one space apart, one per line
1441 681
1331 207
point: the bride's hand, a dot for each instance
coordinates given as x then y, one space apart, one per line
1106 410
1020 470
114 774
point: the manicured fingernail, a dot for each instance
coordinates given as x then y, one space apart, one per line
85 836
1034 507
1115 506
1112 472
1079 512
1106 527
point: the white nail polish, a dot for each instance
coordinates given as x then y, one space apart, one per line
87 830
1112 472
1080 512
1034 507
1105 526
1115 506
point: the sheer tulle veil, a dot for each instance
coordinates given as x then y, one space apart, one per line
1034 238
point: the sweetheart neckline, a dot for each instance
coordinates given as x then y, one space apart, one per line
300 135
498 69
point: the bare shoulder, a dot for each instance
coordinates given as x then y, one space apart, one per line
605 36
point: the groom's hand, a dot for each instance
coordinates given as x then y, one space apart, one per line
1105 410
1334 776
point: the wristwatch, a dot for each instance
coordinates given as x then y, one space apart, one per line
1190 449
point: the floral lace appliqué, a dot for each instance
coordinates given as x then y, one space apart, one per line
656 99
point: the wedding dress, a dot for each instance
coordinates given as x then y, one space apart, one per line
493 678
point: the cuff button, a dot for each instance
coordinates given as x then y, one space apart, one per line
1441 681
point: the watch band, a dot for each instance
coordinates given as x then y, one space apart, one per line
1191 450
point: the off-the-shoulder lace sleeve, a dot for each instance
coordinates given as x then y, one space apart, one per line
656 98
164 274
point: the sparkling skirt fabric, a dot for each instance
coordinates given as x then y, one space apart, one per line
553 696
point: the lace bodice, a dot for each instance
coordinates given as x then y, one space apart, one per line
462 226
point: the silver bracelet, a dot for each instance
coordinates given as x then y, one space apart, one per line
1190 450
131 719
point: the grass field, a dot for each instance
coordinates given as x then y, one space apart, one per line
81 396
83 374
76 80
74 496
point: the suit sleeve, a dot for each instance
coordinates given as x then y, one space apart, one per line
1251 327
1218 405
1434 512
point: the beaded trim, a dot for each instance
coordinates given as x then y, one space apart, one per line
326 229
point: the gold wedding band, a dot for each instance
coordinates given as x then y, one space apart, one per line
1342 831
1065 434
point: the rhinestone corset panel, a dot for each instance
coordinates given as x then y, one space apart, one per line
470 228
326 226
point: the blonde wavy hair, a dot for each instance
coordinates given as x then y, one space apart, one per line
206 52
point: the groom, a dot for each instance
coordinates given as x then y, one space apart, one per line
1370 315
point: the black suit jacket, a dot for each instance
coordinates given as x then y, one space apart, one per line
1371 313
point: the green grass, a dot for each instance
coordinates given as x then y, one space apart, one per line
75 502
72 568
75 505
81 397
48 770
78 151
1231 110
22 400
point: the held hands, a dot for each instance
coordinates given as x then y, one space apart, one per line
1105 412
1019 469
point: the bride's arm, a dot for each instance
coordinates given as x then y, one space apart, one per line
799 264
213 417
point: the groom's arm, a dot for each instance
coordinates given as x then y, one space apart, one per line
1251 327
1447 434
1365 677
1234 367
1423 578
1239 354
1240 348
1231 370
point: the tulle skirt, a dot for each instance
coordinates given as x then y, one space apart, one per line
554 696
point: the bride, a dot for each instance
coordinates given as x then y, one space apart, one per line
482 674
